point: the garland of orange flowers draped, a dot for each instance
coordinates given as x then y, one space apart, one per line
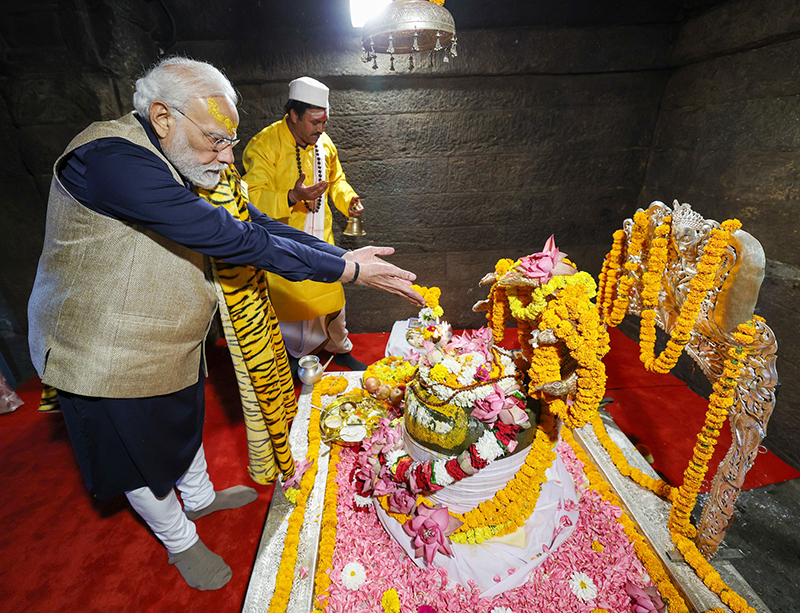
609 275
563 305
684 497
576 322
614 305
327 532
651 563
657 486
619 306
285 576
701 282
510 507
719 402
498 310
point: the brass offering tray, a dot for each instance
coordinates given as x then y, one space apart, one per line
351 419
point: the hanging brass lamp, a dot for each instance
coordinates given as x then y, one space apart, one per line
412 27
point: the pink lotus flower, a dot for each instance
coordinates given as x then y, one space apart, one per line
477 341
488 409
299 470
402 501
645 600
429 530
544 265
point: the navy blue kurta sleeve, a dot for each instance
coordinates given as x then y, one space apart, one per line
115 177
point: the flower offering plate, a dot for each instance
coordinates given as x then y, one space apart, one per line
350 419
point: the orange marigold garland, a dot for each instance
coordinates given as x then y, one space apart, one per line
719 402
620 304
684 497
610 274
657 486
285 576
701 283
327 534
586 346
651 281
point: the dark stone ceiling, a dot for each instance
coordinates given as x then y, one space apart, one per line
257 18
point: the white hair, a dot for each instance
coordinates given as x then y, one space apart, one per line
176 81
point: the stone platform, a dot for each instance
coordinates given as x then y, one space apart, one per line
645 508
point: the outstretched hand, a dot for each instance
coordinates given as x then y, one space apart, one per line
376 272
368 255
307 193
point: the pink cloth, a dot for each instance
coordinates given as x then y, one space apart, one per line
9 401
551 524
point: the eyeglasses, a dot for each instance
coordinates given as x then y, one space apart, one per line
217 144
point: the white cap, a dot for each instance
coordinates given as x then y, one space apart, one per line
310 91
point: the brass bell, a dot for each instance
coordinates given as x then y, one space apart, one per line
354 227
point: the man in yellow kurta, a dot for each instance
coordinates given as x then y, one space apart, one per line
292 167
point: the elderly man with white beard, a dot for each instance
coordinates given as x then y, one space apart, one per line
122 300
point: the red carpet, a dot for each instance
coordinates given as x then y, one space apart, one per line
60 551
661 412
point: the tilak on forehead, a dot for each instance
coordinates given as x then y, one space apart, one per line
318 114
216 112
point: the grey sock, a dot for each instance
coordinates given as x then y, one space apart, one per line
231 498
201 568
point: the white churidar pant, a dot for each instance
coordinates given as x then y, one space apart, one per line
303 337
165 516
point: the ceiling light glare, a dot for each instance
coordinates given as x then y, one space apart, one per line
362 10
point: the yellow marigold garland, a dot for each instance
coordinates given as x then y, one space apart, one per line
684 497
285 576
657 486
498 312
719 402
586 346
609 275
701 283
651 287
327 532
622 299
528 303
650 561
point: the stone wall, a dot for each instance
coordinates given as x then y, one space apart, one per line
728 142
527 133
531 131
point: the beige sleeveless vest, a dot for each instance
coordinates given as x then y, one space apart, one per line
117 311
